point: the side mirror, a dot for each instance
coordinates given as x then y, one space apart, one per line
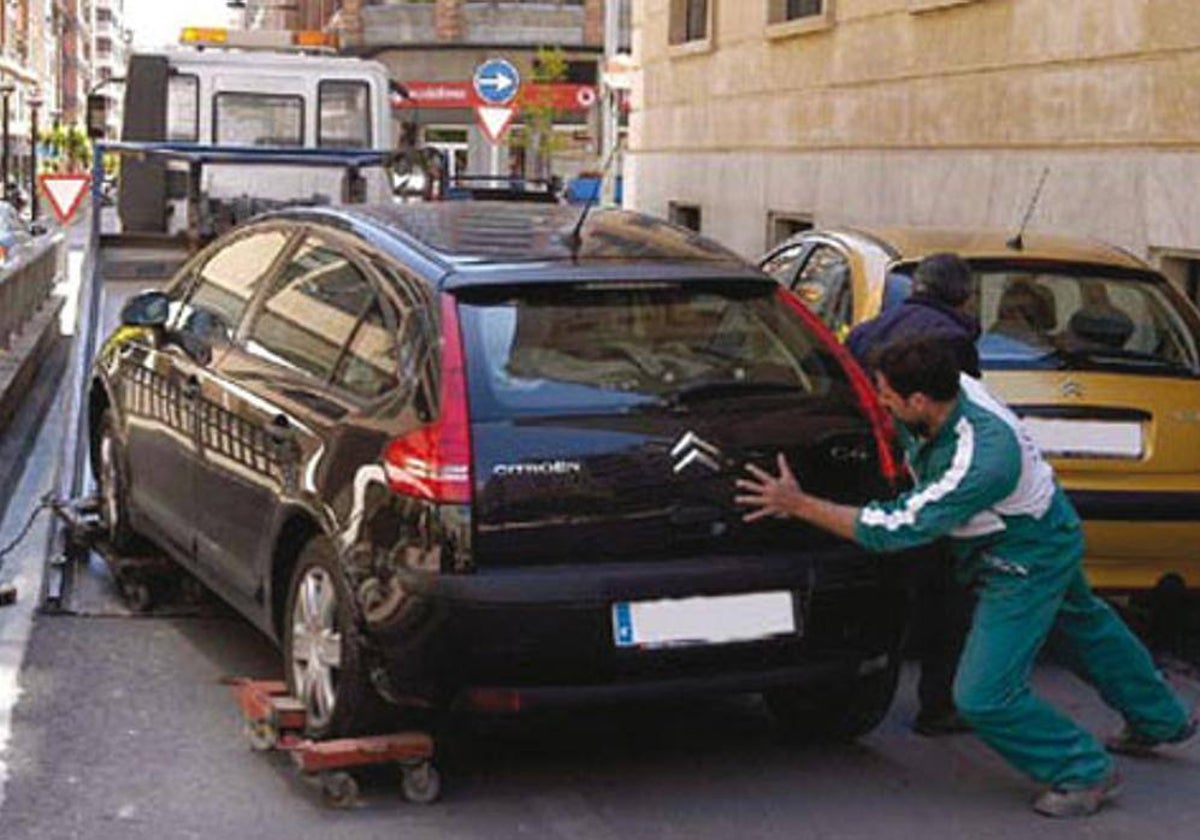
146 309
97 116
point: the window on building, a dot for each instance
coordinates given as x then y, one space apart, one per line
688 21
783 226
684 215
258 119
809 13
793 9
344 115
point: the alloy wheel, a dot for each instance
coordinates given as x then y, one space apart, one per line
316 645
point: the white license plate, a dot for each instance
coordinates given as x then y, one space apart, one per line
703 621
1086 438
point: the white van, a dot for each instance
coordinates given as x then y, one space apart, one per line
260 97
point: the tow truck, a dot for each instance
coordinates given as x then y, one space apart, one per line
257 89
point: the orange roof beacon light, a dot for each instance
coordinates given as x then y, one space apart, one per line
259 39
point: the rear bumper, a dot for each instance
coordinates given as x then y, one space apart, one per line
510 639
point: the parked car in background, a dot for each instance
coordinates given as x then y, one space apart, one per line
452 454
15 231
1097 352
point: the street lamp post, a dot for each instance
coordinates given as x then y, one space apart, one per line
6 90
34 101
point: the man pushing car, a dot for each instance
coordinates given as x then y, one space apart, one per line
980 480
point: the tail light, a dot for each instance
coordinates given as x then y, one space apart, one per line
881 421
434 461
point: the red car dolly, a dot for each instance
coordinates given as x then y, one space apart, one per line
275 721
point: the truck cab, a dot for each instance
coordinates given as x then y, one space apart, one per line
230 88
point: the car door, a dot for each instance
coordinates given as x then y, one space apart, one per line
162 384
823 282
299 370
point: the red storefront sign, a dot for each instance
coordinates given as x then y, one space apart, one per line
560 96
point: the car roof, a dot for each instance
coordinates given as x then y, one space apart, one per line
480 242
906 243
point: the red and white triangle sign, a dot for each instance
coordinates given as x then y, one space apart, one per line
495 121
65 193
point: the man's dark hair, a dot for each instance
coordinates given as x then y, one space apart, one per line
920 365
943 277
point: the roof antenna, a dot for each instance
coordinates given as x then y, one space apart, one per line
575 237
1017 243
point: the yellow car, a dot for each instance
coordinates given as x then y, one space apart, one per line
1094 349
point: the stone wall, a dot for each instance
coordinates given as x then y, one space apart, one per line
926 111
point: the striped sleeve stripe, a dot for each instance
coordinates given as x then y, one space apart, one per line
906 516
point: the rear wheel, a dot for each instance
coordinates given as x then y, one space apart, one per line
837 713
322 649
113 485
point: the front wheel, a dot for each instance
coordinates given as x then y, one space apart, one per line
836 713
323 652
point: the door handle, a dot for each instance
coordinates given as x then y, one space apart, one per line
280 430
191 387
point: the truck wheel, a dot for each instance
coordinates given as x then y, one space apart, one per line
323 651
113 486
836 713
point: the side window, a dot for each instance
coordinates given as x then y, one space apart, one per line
344 115
312 311
782 266
369 367
225 283
183 108
258 119
824 284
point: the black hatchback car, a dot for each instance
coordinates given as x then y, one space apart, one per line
459 454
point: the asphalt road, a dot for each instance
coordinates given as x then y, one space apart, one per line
125 731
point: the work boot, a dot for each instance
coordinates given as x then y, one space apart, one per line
946 723
1078 802
1130 742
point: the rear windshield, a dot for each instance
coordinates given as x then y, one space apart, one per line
1072 318
587 349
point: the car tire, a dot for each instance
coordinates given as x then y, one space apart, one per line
324 655
836 713
112 482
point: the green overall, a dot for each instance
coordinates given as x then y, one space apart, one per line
981 481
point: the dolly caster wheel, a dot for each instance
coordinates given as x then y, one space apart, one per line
261 735
339 789
421 783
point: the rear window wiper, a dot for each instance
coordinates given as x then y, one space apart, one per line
729 389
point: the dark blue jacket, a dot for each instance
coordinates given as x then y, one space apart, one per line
919 316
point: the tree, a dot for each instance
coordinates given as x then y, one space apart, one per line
536 134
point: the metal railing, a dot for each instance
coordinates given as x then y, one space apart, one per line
26 282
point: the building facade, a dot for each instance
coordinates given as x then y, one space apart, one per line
432 47
72 21
110 54
753 118
27 79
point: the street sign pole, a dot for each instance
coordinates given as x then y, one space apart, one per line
608 107
497 83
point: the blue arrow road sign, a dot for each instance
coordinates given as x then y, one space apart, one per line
496 81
